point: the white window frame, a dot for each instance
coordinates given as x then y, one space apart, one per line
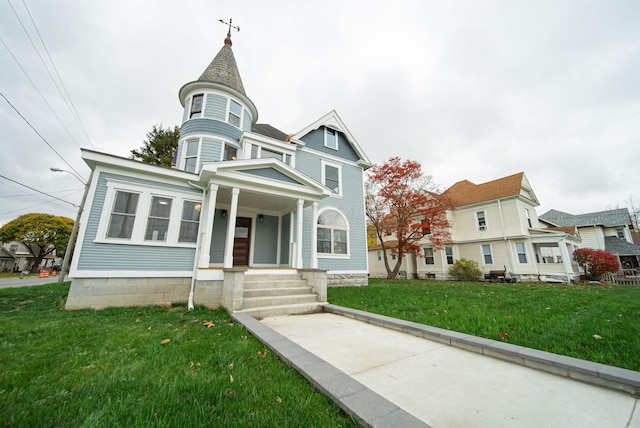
185 146
446 256
229 113
141 218
224 151
480 226
619 232
150 217
526 210
134 215
490 254
324 165
431 255
521 253
335 133
333 255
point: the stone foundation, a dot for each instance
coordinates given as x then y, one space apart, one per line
347 280
100 293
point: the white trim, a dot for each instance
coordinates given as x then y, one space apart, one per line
347 229
484 263
229 112
75 274
324 164
336 133
486 223
142 214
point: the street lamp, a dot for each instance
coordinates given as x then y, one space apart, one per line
74 231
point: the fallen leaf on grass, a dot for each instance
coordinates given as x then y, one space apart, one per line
278 400
209 324
597 336
230 379
503 335
231 366
165 341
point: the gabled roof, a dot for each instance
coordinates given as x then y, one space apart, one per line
5 255
223 69
467 193
609 218
620 247
333 121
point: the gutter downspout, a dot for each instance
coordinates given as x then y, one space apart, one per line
198 248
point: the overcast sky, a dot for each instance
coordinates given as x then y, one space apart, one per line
473 90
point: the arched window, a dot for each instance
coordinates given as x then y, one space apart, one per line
332 233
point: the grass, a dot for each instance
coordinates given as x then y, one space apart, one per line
149 366
10 275
591 322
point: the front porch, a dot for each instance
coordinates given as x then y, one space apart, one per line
262 292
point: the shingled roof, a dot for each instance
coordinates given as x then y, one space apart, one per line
223 69
620 247
609 218
467 193
269 131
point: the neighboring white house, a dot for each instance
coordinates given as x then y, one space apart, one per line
608 230
242 198
495 224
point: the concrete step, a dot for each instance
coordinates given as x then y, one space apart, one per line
279 291
273 283
272 276
254 302
272 311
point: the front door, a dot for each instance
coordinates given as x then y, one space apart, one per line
241 241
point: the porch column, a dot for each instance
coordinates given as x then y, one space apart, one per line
314 238
299 234
231 229
208 211
566 259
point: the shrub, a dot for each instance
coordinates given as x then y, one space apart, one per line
596 262
465 270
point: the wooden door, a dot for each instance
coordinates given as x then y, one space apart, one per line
241 241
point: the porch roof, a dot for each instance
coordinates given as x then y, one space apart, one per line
620 247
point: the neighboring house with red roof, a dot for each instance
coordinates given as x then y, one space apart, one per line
608 230
495 224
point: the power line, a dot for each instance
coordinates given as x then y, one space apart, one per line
36 190
34 130
39 93
70 104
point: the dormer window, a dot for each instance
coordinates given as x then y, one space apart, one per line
331 138
196 106
235 113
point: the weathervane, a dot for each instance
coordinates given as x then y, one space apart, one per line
230 26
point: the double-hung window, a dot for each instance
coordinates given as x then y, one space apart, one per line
332 233
123 215
481 219
526 210
191 155
448 251
522 252
158 221
486 254
331 138
428 257
331 177
235 113
189 222
196 106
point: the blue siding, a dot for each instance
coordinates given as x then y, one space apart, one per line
179 153
315 140
246 121
266 240
216 253
211 127
102 256
211 150
270 173
187 108
350 204
215 107
284 242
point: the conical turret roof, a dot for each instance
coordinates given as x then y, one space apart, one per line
223 69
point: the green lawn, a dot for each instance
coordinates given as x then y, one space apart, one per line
592 322
151 366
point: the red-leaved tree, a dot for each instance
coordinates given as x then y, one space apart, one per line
405 206
596 262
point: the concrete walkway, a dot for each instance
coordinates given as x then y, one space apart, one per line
413 381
